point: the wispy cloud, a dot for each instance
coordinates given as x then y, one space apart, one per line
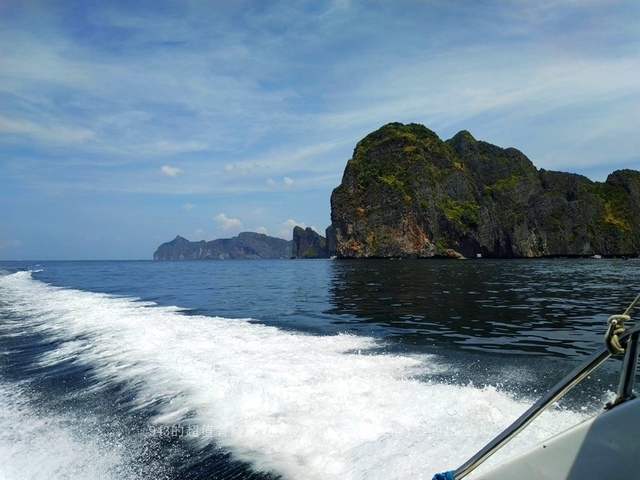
227 224
247 104
286 228
169 171
42 132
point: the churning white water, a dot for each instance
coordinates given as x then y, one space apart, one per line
300 405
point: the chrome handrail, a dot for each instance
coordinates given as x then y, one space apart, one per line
627 378
628 371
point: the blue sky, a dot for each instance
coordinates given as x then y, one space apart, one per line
125 123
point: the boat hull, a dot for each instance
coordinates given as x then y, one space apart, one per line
605 447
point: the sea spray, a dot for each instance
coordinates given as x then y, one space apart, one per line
299 405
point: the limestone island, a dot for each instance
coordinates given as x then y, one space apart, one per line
405 193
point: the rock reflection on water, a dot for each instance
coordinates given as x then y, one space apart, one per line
552 307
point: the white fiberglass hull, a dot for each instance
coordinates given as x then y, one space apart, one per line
605 447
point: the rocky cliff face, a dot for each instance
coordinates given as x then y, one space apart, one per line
407 193
245 245
308 244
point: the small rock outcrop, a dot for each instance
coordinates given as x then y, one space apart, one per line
407 193
308 243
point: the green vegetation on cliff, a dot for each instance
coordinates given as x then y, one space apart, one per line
405 192
307 243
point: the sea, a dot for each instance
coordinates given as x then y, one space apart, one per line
293 369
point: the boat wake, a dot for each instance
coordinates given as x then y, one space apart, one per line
293 404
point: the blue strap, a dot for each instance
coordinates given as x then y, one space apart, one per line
444 476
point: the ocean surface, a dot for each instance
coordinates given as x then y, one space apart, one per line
292 369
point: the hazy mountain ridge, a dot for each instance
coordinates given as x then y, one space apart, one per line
245 245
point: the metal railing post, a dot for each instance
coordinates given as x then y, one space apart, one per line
566 384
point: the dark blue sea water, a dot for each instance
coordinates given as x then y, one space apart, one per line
312 369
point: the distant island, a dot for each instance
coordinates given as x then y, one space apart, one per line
245 245
306 243
407 193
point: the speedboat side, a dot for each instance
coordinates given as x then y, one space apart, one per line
606 446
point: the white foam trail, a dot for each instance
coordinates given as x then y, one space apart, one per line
301 405
34 445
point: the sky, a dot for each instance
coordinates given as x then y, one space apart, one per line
126 123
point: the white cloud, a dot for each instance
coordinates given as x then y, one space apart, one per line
261 230
243 105
286 229
167 147
198 234
187 207
287 181
58 134
168 171
243 168
227 223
